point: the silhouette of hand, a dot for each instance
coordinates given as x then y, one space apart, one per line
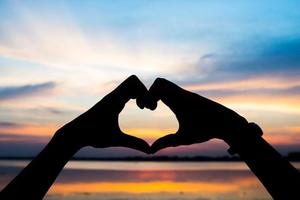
98 127
200 119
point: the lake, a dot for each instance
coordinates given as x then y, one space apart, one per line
114 180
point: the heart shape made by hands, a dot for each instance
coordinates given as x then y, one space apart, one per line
146 124
199 119
182 104
173 97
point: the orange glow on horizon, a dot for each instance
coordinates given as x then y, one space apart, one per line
282 139
144 187
33 130
149 134
275 135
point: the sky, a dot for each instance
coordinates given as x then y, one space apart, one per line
58 58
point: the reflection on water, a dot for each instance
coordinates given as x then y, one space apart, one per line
149 180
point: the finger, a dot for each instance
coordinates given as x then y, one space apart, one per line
142 101
131 88
145 101
134 143
168 92
164 142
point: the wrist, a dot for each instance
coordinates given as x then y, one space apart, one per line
249 133
63 137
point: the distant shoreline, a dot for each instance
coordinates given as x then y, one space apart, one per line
293 156
137 158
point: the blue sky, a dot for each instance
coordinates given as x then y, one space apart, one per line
59 58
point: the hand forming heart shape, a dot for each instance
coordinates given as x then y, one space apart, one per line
200 119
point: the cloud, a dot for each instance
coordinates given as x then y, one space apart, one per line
22 138
4 124
14 92
55 111
252 83
293 91
262 97
251 58
282 92
275 55
266 56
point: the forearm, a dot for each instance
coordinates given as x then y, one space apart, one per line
35 180
279 177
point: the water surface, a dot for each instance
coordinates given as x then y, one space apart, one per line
148 180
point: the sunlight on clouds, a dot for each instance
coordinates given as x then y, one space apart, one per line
63 45
81 62
249 94
263 106
260 82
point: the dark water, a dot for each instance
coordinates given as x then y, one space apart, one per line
149 180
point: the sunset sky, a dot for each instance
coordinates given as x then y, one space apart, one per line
58 60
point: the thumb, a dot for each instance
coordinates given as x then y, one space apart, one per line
170 140
134 143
